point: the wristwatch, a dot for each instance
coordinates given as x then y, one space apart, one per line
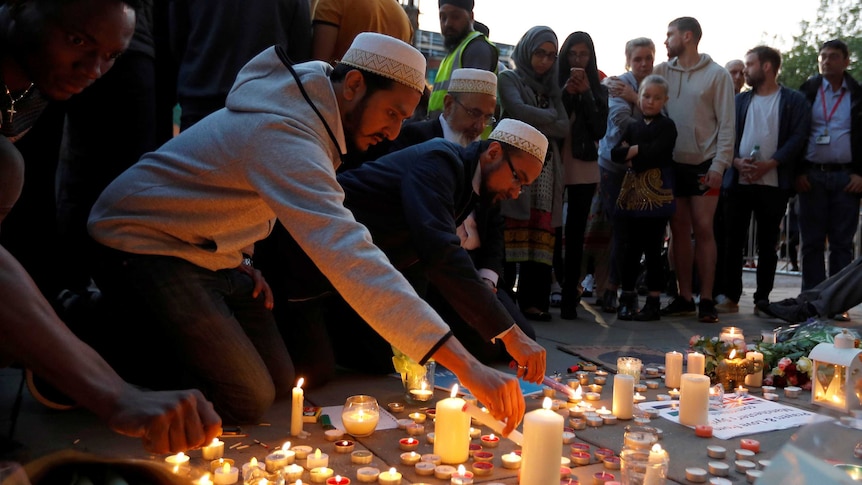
247 261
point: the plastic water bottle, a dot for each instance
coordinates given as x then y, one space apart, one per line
755 153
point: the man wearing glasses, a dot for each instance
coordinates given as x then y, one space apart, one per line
412 201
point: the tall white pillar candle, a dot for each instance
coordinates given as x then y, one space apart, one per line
540 455
695 363
755 379
296 409
452 430
624 392
672 369
694 400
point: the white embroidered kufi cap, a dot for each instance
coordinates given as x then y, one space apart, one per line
469 80
388 57
523 136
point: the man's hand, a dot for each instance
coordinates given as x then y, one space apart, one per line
802 183
499 392
166 421
260 285
530 357
712 179
756 170
855 185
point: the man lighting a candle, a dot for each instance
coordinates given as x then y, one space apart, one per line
413 200
173 228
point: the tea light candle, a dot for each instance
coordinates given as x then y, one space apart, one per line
752 475
741 391
475 433
333 434
568 437
317 460
695 474
367 474
276 461
482 468
750 444
594 420
408 444
583 377
430 438
415 429
651 413
214 450
296 408
742 454
361 457
215 464
422 394
252 468
718 468
431 458
761 464
424 468
673 369
652 384
410 458
396 407
695 363
638 398
344 446
716 451
651 371
565 472
580 458
226 475
292 472
612 462
511 461
770 396
321 474
178 460
472 448
578 423
743 466
642 420
338 480
483 456
600 478
452 429
490 440
602 453
444 472
601 380
703 431
609 419
719 481
766 389
461 477
389 477
592 396
417 417
302 451
403 422
662 397
640 387
673 393
792 391
597 388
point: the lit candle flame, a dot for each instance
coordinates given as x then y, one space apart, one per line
546 404
656 448
300 382
461 470
285 446
454 390
226 468
732 354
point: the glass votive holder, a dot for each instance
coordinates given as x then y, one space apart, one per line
631 366
636 466
419 382
360 415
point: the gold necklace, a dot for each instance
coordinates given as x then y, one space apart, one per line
11 109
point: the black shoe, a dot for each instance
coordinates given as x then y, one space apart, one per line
609 301
706 311
569 303
651 311
628 306
793 313
761 309
569 312
679 308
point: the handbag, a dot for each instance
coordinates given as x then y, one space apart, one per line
647 194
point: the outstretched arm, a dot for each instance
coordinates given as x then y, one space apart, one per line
32 335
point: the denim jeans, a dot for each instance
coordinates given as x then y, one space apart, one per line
826 212
226 342
768 205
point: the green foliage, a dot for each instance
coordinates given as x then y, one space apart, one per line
836 19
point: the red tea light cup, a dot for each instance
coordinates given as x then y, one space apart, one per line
337 480
602 477
580 458
482 468
565 472
481 456
344 446
703 431
490 440
474 448
612 462
582 447
408 444
602 453
749 444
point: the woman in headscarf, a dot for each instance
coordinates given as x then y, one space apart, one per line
586 102
530 93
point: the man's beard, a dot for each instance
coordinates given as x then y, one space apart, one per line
451 42
464 139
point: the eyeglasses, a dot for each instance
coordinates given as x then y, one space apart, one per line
516 179
551 56
475 113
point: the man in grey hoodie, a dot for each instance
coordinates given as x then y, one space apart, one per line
702 106
174 227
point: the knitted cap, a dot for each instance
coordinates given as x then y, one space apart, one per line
521 135
469 80
465 4
388 57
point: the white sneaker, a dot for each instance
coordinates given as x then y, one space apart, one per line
727 306
588 283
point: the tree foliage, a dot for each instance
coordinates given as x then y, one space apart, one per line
836 19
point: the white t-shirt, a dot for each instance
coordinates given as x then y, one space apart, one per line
761 128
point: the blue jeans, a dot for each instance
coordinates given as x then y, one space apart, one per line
826 212
226 342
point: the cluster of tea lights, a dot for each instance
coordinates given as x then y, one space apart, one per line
744 463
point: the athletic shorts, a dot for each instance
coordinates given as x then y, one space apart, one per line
689 180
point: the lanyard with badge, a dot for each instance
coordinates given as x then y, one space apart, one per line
824 139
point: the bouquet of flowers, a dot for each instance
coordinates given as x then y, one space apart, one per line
714 351
789 373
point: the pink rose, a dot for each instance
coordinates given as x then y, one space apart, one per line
783 363
693 340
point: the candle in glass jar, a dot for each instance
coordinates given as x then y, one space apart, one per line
729 334
361 422
543 431
673 369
